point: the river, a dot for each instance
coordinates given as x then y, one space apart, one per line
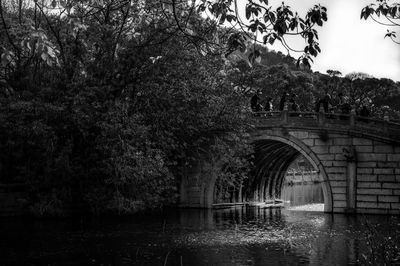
234 236
238 236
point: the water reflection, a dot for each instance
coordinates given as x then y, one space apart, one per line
239 236
301 194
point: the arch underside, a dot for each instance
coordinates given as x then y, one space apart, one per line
273 156
272 160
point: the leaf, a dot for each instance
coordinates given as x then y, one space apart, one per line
385 11
393 11
44 57
271 40
306 63
272 17
230 18
310 35
312 51
248 12
390 34
50 52
293 24
222 19
363 14
266 18
265 38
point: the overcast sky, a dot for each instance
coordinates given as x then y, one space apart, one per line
349 44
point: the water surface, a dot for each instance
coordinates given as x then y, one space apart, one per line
238 236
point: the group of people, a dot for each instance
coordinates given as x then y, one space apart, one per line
340 104
258 105
337 104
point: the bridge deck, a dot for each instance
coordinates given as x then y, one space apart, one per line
379 128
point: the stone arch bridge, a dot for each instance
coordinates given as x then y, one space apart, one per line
357 159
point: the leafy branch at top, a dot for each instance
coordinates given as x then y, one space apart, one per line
263 24
386 13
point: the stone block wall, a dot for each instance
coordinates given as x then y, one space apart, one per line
377 171
378 178
368 183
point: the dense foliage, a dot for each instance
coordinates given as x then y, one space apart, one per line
104 110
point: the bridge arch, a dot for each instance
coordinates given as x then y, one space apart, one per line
279 152
357 160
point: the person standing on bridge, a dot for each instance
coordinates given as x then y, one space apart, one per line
334 102
283 101
268 107
294 108
255 102
364 112
344 104
324 102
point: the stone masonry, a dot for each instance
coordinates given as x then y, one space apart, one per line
359 170
377 171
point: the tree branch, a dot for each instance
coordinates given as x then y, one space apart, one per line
56 35
10 40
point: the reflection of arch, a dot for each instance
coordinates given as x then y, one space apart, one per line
197 183
281 156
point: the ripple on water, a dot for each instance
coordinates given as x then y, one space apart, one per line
244 236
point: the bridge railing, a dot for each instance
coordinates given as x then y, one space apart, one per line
383 127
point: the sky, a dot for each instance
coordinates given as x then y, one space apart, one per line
348 43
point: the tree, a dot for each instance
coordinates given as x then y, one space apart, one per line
384 12
124 105
56 22
358 75
364 89
333 73
262 22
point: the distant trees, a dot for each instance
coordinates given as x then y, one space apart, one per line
360 88
358 75
333 73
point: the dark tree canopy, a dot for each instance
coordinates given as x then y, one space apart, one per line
104 103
